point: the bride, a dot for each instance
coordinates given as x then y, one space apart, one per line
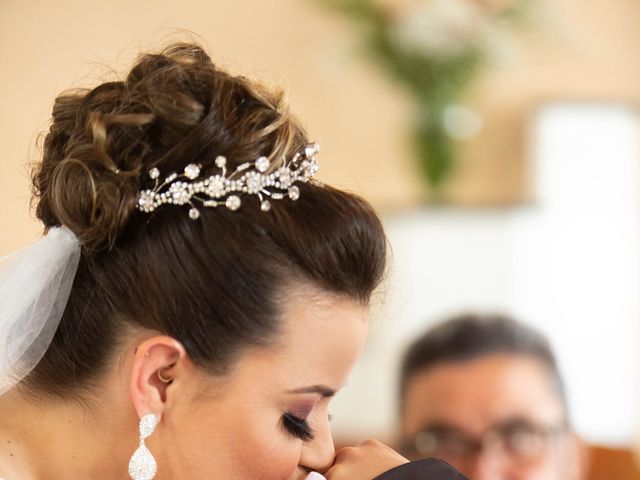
198 298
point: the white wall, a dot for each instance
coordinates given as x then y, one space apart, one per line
569 265
578 260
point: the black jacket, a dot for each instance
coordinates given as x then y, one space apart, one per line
429 469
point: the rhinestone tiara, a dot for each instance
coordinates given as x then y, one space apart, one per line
261 178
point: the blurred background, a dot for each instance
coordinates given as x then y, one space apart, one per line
498 139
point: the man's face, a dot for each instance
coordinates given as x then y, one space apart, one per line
496 417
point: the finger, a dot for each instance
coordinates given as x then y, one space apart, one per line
335 473
344 453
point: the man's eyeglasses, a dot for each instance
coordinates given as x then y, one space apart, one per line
514 440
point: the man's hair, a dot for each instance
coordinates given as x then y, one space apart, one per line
471 336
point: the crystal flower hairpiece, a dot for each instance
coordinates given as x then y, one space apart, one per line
260 178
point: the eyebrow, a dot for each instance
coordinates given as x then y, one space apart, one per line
509 422
319 389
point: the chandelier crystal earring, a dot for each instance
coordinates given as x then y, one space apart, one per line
142 465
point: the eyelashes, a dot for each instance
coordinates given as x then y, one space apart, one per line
298 427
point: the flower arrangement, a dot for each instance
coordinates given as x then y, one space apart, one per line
435 48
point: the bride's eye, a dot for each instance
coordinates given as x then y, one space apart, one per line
298 427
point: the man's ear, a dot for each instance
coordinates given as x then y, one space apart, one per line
153 362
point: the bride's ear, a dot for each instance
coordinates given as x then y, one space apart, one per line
155 363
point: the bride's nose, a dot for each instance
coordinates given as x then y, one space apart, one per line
318 453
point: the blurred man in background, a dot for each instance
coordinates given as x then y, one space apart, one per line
485 394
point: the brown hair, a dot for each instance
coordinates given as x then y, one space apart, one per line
471 336
213 284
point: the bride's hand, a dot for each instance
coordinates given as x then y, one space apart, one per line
364 462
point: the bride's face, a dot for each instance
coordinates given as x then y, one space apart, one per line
269 418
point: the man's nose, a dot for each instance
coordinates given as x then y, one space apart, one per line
486 466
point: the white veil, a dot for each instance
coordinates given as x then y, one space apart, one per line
34 288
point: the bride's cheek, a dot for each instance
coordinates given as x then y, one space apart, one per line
275 457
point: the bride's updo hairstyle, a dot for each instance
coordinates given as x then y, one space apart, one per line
217 283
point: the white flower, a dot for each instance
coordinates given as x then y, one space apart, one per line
441 28
145 200
253 181
284 176
179 193
216 187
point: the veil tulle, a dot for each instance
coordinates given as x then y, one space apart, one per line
34 288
